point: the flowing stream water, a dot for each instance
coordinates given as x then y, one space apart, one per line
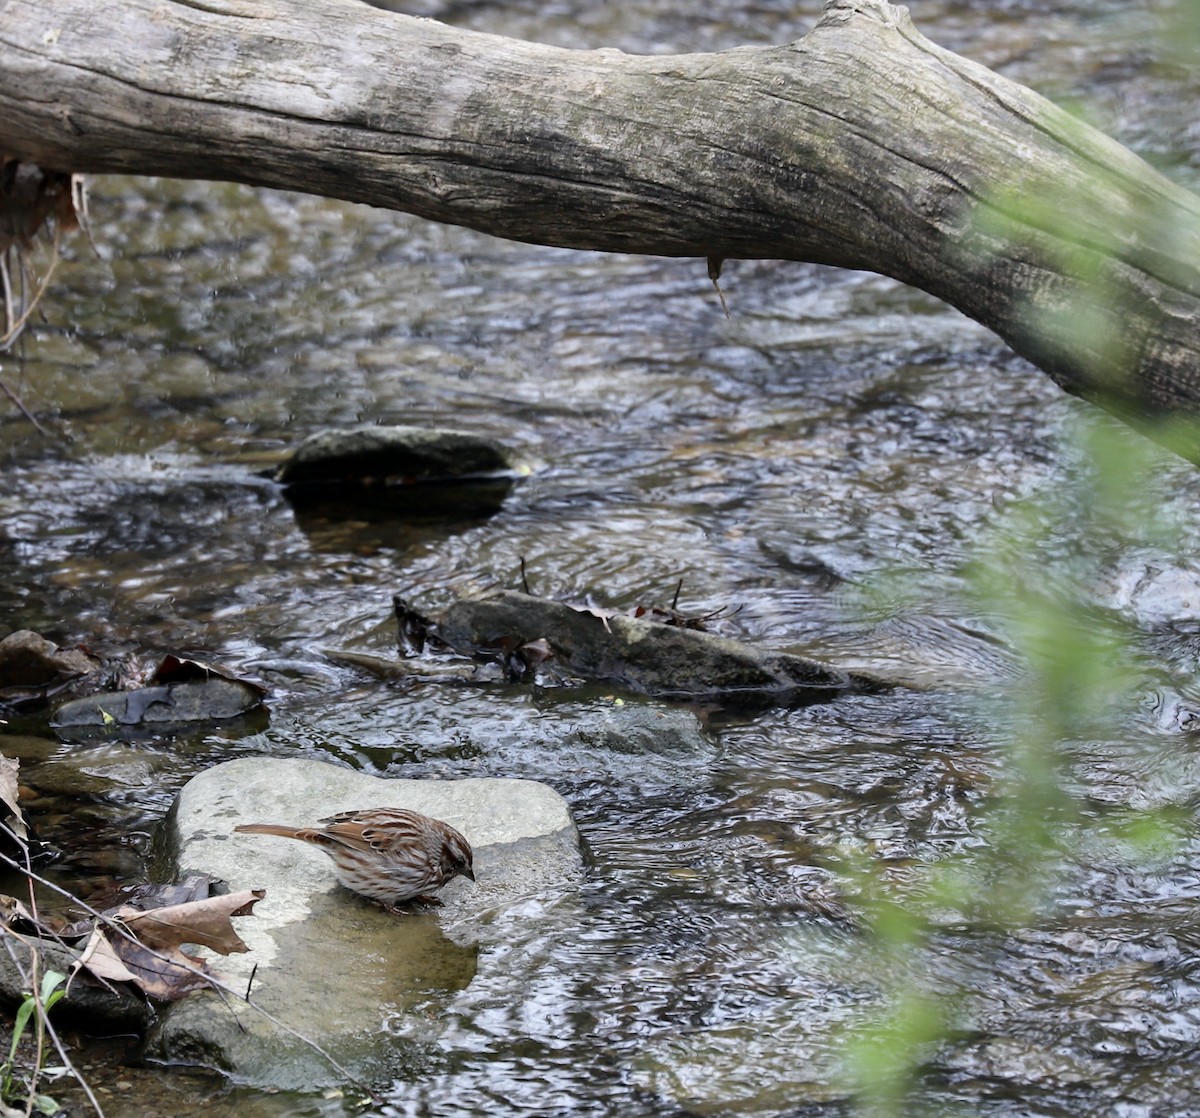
822 466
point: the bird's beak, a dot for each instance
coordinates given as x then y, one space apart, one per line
467 872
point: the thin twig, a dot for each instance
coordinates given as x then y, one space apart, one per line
44 1026
29 305
714 274
6 279
79 203
41 1014
51 1031
14 321
20 406
209 978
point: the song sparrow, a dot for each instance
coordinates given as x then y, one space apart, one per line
389 854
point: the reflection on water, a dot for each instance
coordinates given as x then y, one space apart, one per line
823 462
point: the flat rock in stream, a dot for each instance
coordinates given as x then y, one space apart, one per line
330 965
199 700
667 661
380 478
392 454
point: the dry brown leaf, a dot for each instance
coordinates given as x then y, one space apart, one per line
596 611
176 669
163 973
111 957
101 960
205 923
154 960
8 796
537 651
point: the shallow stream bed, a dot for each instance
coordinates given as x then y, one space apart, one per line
820 469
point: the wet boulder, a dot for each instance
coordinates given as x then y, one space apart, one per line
94 1005
386 480
179 691
327 964
392 456
192 701
33 669
646 656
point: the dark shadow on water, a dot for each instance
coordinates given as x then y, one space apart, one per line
338 517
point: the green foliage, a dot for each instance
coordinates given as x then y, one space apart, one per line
1081 681
1081 684
1082 675
35 1006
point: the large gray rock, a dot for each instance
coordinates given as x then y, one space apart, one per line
330 966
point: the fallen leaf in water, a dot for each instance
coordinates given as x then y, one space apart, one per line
174 669
151 954
145 895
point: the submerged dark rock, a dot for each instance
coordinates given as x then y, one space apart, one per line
190 701
392 479
392 456
95 1006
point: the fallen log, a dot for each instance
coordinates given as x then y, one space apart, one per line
861 145
639 652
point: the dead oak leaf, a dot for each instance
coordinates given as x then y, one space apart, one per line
99 959
205 923
150 952
165 974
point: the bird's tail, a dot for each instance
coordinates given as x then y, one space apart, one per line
302 833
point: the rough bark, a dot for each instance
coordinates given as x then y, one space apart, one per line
861 145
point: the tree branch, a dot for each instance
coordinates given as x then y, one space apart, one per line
861 145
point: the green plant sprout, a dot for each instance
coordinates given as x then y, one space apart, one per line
36 1006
